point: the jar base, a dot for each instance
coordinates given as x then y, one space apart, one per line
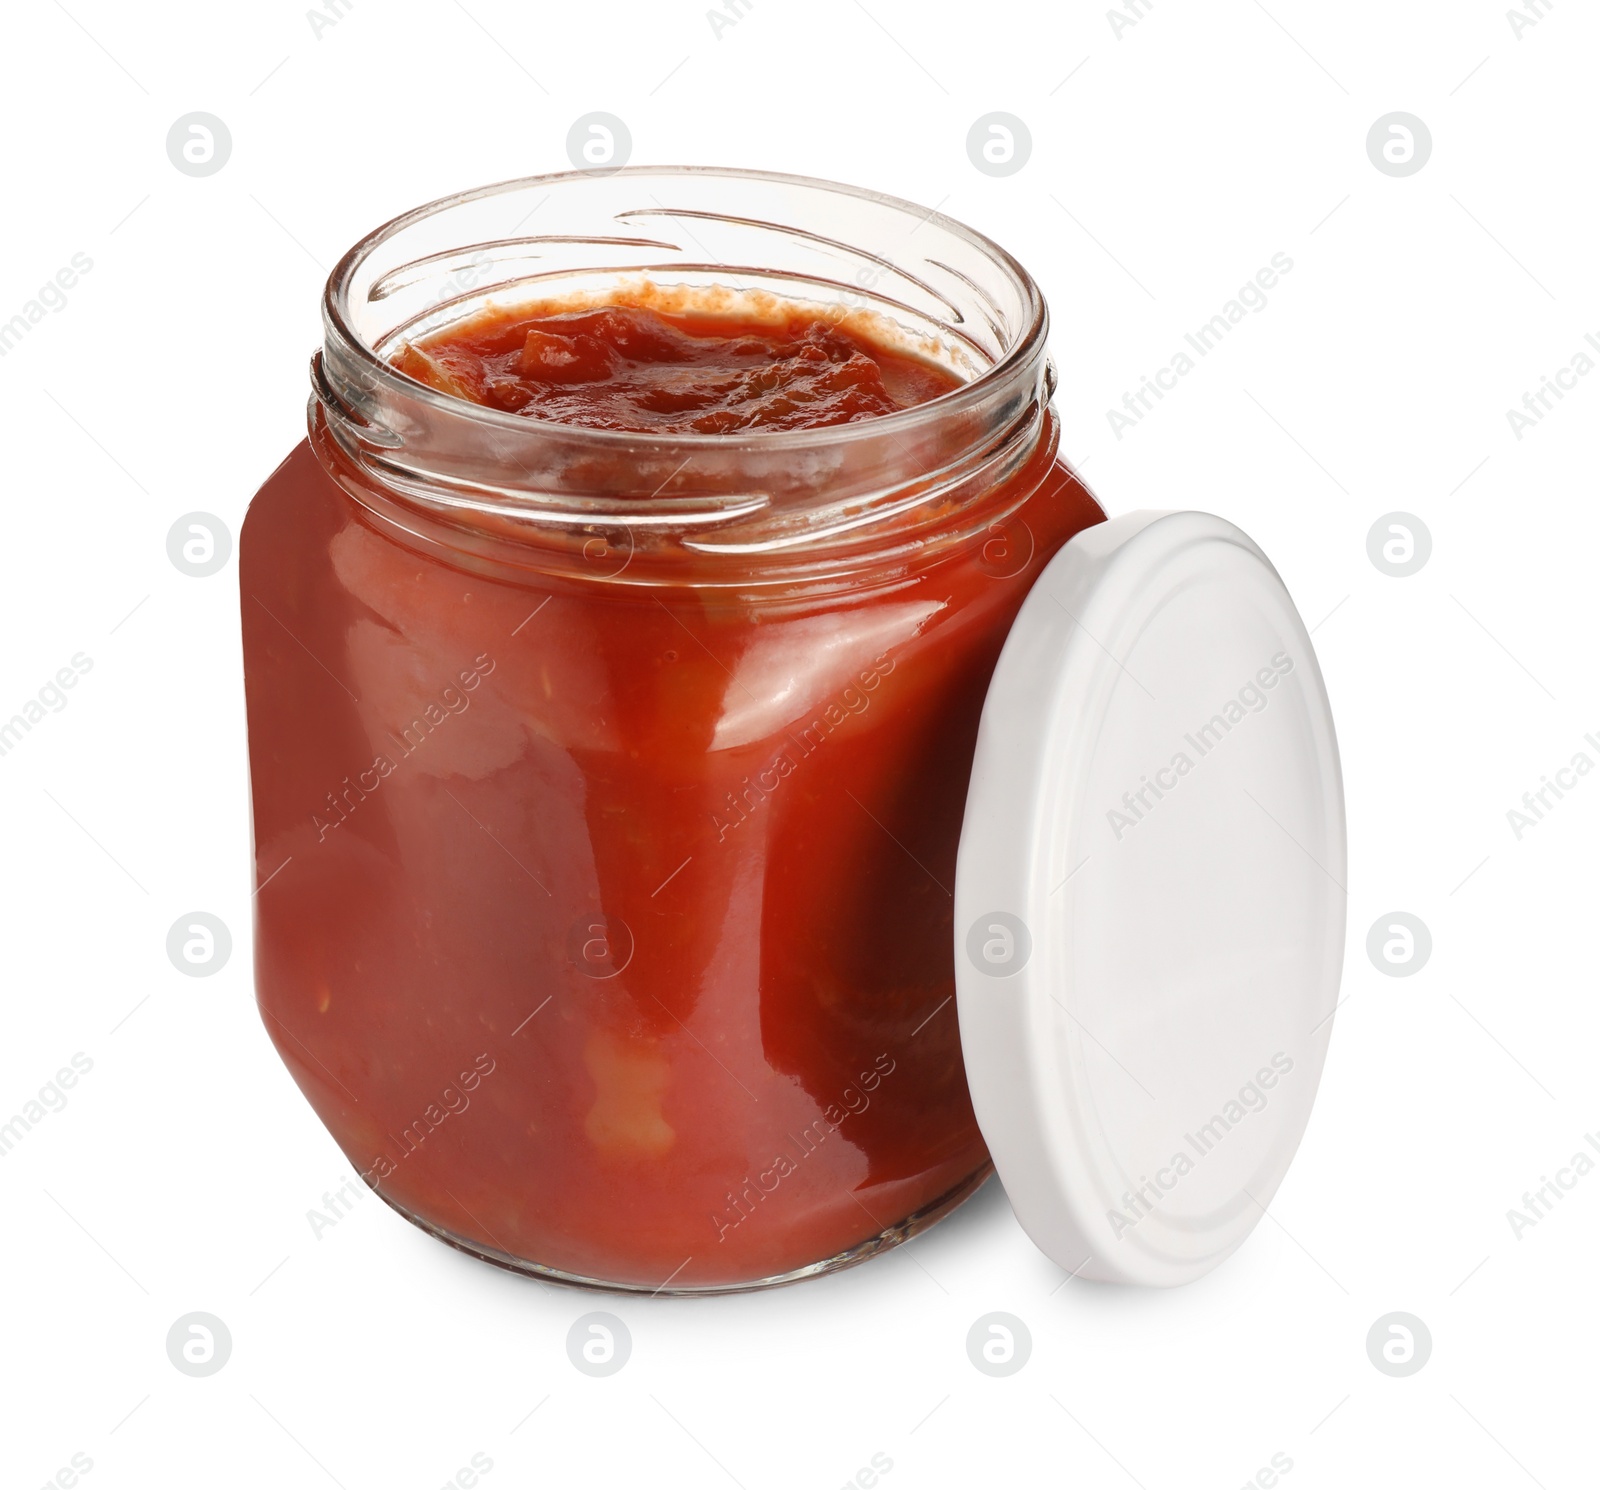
892 1236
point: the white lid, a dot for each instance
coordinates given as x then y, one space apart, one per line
1149 898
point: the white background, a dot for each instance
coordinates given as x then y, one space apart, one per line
1172 163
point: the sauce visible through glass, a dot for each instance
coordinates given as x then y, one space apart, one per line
614 930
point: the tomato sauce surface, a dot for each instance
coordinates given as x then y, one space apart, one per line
608 927
632 367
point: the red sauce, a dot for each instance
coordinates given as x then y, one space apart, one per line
609 927
632 367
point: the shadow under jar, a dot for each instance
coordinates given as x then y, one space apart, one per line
607 786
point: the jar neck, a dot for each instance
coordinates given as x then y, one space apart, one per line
809 507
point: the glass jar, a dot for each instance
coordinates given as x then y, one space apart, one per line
607 786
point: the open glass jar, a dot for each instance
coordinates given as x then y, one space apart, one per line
607 787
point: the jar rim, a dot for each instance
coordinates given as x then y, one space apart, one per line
1027 345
